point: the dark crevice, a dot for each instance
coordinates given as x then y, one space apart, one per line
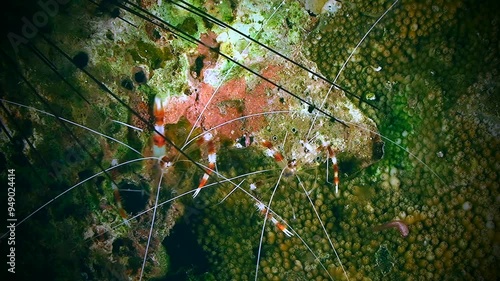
189 256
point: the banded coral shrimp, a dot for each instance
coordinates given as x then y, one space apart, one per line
225 231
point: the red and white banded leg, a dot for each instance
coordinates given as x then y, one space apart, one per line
331 155
159 110
289 166
281 226
116 194
118 200
272 152
212 158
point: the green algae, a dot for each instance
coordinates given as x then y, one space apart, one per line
148 53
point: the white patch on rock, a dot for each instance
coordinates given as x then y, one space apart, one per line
331 6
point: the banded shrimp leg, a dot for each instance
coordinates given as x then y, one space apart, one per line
264 145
